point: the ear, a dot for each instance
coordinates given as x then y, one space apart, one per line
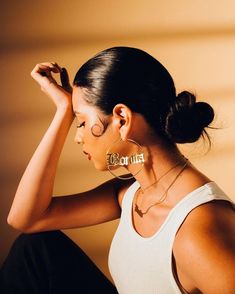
123 117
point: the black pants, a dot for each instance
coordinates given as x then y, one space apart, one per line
50 263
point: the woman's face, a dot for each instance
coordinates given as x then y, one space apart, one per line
94 129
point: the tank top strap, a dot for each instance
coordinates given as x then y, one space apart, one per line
128 197
204 194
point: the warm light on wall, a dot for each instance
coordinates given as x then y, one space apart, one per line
195 41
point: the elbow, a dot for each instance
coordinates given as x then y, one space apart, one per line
16 224
11 221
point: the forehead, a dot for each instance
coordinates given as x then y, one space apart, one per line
79 103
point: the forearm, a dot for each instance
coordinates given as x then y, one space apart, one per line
34 192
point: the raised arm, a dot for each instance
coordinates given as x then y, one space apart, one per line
34 192
33 203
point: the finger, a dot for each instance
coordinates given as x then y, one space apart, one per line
49 64
46 66
64 77
57 66
42 71
65 80
44 74
38 70
54 67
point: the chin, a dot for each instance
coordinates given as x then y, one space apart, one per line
100 166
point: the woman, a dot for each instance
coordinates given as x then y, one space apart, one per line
176 233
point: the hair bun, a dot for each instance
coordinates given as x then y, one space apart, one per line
187 119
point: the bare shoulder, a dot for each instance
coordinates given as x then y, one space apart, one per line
122 187
204 248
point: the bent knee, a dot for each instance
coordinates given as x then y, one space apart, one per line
24 240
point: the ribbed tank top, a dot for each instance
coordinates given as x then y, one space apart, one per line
140 265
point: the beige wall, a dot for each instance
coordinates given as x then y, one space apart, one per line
195 40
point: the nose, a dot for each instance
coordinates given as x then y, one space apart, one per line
78 137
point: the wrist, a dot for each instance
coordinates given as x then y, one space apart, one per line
65 111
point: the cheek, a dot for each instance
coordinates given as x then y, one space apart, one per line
97 130
98 151
99 158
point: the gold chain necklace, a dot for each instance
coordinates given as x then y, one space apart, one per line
164 195
155 182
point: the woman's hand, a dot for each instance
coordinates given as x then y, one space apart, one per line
60 94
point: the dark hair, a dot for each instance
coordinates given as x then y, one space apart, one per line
133 77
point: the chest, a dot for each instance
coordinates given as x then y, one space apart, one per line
140 255
149 224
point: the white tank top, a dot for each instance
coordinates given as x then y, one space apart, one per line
140 265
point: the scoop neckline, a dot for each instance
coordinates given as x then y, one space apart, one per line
145 239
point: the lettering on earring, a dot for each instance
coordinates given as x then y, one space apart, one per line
114 159
136 158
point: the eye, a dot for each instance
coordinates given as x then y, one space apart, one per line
81 125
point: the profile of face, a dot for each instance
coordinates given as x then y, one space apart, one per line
95 130
98 132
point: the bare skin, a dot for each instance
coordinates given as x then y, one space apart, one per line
207 234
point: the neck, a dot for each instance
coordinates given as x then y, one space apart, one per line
157 162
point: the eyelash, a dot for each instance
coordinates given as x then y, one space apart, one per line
81 125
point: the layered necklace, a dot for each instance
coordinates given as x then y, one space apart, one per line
164 195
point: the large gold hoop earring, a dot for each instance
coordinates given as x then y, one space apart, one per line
114 159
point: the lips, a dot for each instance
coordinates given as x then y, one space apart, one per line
87 154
